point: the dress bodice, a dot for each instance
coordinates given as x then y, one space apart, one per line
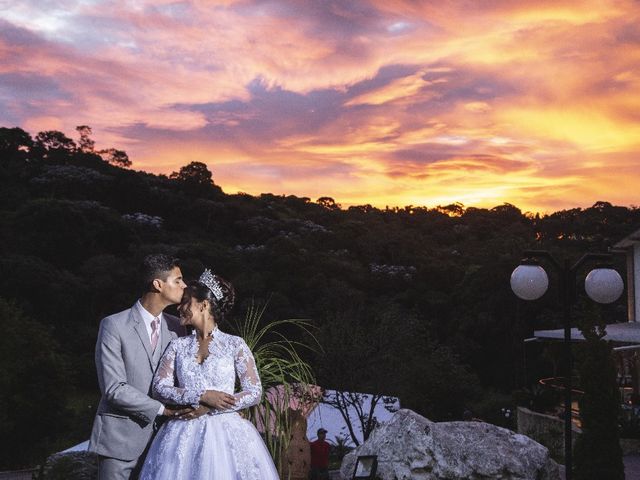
181 380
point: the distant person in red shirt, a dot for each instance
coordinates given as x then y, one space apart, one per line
319 457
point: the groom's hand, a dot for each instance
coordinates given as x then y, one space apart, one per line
218 400
198 412
176 412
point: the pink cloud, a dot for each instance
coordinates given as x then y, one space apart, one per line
382 102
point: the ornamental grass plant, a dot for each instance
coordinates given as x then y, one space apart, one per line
288 381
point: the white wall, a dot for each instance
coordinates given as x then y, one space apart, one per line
636 281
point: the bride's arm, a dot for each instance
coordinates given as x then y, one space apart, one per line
245 366
164 388
249 379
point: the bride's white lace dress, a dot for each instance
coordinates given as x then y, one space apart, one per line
217 446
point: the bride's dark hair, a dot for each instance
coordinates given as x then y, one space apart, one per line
217 308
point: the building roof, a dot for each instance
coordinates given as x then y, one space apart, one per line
629 241
81 447
627 332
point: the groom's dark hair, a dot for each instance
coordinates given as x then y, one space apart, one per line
157 265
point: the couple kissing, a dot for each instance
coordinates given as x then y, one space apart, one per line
169 409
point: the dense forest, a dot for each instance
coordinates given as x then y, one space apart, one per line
412 302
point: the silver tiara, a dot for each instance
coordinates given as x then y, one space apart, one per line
212 284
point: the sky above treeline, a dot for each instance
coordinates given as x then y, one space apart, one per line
387 102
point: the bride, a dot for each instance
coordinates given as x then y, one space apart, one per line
212 442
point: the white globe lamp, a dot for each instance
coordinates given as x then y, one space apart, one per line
604 285
529 282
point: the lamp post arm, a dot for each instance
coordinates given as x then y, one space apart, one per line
543 254
591 256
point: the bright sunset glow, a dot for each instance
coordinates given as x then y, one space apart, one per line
387 102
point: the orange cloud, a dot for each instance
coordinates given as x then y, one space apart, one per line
385 102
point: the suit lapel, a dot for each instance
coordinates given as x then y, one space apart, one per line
165 333
141 330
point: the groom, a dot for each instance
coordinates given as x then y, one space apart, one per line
129 347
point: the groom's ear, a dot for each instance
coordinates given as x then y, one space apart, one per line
157 284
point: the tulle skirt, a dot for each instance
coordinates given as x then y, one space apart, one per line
211 447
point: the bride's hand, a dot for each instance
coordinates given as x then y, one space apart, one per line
176 411
218 400
198 412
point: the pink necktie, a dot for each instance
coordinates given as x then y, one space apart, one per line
154 333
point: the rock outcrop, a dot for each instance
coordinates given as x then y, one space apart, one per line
409 446
71 466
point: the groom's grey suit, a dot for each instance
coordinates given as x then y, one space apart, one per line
124 422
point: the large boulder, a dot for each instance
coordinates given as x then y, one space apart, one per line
409 446
71 466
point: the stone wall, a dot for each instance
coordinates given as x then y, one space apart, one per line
549 431
630 446
546 430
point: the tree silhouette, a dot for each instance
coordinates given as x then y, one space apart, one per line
362 406
196 173
86 143
55 141
12 139
115 157
453 209
329 203
597 451
15 143
29 383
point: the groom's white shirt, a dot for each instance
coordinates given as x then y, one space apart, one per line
147 318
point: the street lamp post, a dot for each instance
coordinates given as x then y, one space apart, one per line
529 281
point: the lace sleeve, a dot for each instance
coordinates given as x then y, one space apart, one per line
249 379
164 381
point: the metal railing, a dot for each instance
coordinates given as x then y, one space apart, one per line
19 474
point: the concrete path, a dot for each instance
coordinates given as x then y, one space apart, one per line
631 467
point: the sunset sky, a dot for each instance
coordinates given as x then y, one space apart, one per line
388 102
